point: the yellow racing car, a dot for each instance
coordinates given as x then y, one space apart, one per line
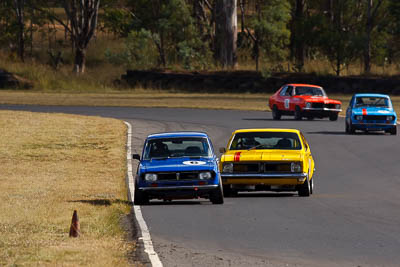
267 160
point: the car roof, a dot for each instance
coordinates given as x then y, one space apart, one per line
304 84
370 95
267 130
177 134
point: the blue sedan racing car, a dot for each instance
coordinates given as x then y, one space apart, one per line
371 112
177 165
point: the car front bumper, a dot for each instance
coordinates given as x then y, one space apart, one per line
264 178
323 109
373 126
179 192
323 112
179 188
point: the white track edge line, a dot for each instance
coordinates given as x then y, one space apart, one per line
146 238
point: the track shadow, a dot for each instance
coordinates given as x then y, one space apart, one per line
264 194
173 203
329 132
344 133
270 119
102 202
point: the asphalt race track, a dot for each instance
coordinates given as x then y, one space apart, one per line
353 219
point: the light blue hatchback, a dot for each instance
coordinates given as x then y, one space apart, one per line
371 112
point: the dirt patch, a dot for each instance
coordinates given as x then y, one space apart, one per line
9 80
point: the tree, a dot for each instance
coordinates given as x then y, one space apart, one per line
393 51
338 37
226 32
7 24
268 29
371 21
298 37
172 29
82 16
19 6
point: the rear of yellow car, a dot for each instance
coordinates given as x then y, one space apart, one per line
267 160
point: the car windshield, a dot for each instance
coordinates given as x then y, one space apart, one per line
314 91
366 101
266 140
177 147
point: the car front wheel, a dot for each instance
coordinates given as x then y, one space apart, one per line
217 196
229 192
305 189
333 116
276 114
140 198
297 113
311 186
349 128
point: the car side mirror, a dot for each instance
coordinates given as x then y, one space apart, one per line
222 150
136 156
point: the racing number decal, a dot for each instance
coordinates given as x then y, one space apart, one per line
194 162
287 101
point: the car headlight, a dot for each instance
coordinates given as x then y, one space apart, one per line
295 167
337 106
308 105
359 117
228 167
150 177
390 118
205 175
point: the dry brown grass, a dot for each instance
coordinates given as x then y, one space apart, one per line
141 98
51 165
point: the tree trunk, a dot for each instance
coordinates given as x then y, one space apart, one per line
338 63
367 49
162 50
80 60
83 17
19 11
257 54
299 34
226 33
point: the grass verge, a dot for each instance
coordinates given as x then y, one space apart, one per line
51 164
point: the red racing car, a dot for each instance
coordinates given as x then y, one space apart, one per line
303 100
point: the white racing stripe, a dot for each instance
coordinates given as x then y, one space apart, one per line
146 238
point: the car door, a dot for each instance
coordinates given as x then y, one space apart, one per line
278 99
285 98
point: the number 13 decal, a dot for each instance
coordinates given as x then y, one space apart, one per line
287 101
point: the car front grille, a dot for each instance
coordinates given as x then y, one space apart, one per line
262 167
374 117
322 105
174 176
246 168
277 167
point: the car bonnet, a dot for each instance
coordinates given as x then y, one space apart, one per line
178 164
263 155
